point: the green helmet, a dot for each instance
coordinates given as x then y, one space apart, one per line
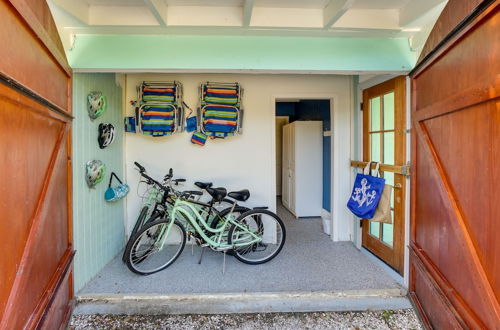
94 172
96 104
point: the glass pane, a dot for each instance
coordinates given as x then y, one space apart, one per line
375 114
389 111
375 147
388 231
375 229
389 148
389 178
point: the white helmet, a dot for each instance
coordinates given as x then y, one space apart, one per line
94 172
96 104
106 135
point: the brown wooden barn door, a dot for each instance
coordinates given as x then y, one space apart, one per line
455 212
36 255
384 141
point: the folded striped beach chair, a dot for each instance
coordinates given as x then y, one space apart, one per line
160 107
158 119
220 114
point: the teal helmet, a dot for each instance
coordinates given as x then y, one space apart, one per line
96 104
94 172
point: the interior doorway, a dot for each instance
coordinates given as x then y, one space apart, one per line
303 152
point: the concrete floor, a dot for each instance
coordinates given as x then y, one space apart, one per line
309 261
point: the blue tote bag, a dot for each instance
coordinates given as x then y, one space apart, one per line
366 193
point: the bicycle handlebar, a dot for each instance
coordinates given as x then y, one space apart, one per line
168 178
178 180
140 167
154 181
142 171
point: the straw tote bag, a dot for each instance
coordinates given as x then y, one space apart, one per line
383 211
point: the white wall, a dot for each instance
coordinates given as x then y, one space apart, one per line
243 161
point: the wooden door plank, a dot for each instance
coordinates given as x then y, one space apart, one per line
28 62
41 29
483 92
432 300
35 95
452 15
56 285
12 312
455 92
446 191
445 289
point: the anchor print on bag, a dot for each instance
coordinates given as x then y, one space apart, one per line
361 195
366 193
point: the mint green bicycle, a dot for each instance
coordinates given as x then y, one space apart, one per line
254 237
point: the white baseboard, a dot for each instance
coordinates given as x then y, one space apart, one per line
326 217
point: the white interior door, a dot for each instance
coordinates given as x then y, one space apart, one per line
280 122
285 196
291 167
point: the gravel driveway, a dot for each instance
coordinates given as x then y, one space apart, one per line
398 319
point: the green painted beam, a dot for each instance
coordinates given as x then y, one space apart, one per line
160 52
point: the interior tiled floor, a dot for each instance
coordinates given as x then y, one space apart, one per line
309 261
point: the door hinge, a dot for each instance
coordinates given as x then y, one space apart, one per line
407 131
361 106
406 169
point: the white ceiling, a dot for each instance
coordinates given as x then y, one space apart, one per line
317 4
412 19
381 4
114 2
211 3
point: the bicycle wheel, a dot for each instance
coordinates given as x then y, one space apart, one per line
140 220
145 256
264 224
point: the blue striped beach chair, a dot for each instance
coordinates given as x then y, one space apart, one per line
160 110
220 114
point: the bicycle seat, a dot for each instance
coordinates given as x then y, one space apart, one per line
203 185
217 194
193 192
241 195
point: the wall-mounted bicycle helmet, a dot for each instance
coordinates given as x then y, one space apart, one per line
96 104
106 135
94 172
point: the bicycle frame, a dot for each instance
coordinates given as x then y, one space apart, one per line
153 198
188 208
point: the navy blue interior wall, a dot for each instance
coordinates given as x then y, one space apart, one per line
285 109
313 110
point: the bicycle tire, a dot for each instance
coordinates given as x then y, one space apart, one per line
140 221
240 253
137 226
138 237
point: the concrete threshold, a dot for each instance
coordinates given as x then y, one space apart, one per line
225 303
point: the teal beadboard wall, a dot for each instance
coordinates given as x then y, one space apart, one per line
98 230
